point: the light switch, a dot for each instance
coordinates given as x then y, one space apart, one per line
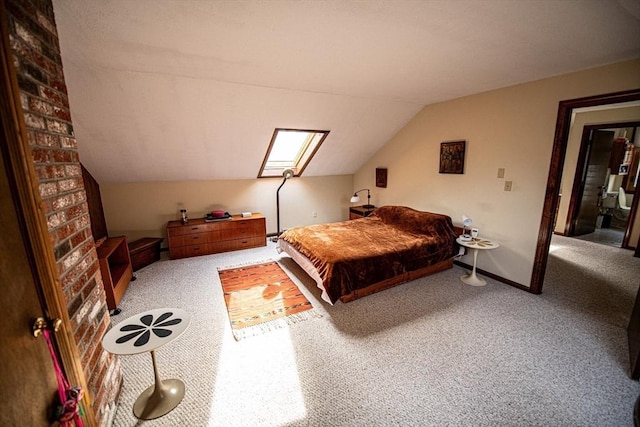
500 172
507 186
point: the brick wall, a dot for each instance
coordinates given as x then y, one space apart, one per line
47 116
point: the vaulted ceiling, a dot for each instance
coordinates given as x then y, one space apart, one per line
174 90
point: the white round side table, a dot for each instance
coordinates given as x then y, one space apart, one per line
149 331
475 245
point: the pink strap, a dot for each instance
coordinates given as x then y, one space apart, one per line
70 397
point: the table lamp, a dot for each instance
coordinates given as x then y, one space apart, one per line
466 223
355 198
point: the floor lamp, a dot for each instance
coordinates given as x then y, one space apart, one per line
286 174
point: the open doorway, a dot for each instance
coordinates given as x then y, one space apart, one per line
564 123
604 185
558 153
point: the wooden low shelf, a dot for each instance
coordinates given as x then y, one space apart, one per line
144 251
115 266
199 237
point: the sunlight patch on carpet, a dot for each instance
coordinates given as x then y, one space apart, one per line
553 248
258 378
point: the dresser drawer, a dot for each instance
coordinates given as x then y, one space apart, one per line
253 242
195 238
188 229
237 244
236 232
191 250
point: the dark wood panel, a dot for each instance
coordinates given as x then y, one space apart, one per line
94 201
592 179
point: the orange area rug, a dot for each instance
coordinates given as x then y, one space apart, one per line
260 298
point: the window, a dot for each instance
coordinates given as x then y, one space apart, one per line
291 149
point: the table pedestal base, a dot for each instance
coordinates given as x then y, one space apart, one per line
156 401
159 399
472 278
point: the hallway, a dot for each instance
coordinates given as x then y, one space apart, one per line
611 236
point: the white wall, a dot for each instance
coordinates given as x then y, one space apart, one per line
143 209
511 128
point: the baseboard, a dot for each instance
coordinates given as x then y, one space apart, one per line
494 276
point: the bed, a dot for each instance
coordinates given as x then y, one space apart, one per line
351 259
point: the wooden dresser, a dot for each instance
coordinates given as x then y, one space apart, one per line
199 237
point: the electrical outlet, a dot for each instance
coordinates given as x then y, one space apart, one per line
314 214
500 172
507 186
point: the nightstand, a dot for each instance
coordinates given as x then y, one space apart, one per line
356 212
475 245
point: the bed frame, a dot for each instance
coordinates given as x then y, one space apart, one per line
401 278
397 280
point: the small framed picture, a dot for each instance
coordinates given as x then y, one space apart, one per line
624 169
381 177
452 157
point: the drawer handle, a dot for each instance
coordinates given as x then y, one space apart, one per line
194 228
195 237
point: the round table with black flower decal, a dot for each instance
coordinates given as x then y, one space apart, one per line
144 332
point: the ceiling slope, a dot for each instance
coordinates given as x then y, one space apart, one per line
173 90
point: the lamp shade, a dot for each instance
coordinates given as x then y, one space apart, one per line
287 173
466 221
355 198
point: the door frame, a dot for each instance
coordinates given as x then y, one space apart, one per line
24 182
576 194
558 152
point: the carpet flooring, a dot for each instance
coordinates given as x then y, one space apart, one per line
605 236
429 352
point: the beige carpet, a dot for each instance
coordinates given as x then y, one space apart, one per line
429 352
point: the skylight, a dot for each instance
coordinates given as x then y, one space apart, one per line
291 149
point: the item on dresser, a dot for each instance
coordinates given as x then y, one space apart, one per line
216 216
183 216
203 237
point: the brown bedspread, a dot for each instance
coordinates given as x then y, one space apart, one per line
393 240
